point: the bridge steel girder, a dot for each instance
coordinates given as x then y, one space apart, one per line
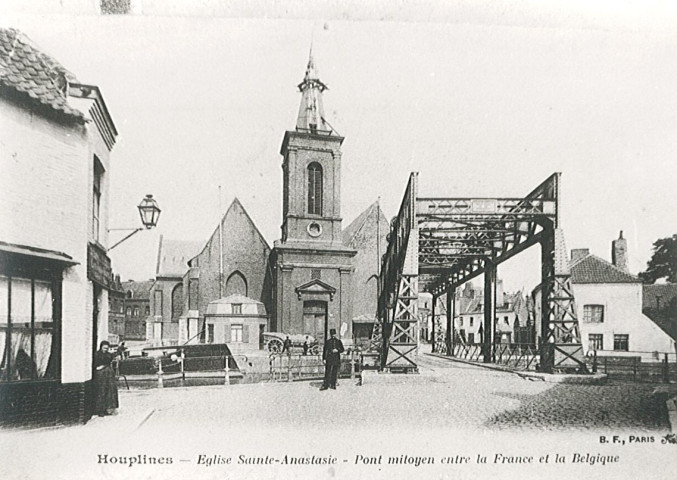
437 244
398 280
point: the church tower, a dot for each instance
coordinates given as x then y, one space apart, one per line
312 266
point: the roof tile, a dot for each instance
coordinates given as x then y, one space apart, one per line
25 69
592 269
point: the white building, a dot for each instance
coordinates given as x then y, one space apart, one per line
236 320
57 135
609 307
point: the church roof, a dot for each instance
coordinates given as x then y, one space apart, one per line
33 77
351 234
592 269
173 256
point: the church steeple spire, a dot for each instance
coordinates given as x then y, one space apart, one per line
311 111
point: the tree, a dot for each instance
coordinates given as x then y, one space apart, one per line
663 262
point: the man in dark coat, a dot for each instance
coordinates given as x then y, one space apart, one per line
333 348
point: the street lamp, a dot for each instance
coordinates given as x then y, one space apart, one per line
149 212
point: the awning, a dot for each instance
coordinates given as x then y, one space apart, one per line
49 255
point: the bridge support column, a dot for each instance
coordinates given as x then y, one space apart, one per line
489 310
451 305
434 324
561 347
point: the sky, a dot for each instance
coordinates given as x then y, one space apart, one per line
481 98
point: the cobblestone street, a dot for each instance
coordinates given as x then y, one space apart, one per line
451 407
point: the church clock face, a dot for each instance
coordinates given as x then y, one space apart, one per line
314 229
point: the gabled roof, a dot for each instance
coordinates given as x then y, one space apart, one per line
140 290
173 256
592 269
234 205
351 234
33 77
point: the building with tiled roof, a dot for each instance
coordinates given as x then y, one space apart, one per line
609 307
511 314
57 137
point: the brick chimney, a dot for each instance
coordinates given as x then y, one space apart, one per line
619 252
578 253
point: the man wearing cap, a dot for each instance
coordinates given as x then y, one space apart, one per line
333 348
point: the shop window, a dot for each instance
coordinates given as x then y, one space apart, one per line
28 349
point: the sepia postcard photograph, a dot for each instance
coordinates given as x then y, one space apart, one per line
338 239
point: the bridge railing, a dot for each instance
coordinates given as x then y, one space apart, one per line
288 367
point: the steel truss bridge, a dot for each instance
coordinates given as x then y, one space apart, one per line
437 244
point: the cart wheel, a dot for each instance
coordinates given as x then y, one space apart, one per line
315 350
275 346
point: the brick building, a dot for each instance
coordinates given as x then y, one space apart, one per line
136 308
234 261
54 271
116 310
313 269
316 277
166 294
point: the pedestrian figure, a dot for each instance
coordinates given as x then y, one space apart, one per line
106 385
305 346
331 355
286 347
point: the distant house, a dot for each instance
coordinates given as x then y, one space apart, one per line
137 313
511 315
609 307
116 310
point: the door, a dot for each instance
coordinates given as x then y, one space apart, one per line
315 319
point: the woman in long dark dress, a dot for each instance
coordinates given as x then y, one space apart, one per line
106 383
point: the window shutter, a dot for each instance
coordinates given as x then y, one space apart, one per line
227 333
245 333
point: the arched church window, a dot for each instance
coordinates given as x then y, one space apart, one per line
236 284
177 302
315 189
